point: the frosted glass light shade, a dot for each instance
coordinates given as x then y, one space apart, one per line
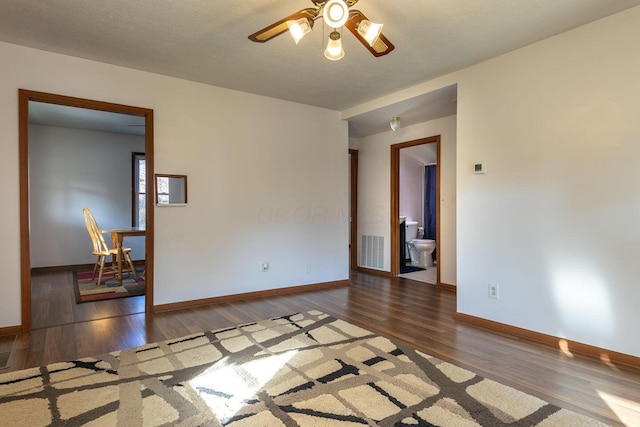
334 49
299 28
335 13
394 123
370 31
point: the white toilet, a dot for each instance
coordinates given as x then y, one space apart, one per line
420 250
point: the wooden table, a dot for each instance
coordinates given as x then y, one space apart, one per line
117 236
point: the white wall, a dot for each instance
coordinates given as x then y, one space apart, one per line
71 169
411 189
555 222
257 191
374 197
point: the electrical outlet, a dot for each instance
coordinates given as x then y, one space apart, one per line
308 268
265 266
494 291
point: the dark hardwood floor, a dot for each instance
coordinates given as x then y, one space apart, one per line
53 301
409 312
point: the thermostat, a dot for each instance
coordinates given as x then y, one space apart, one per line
479 168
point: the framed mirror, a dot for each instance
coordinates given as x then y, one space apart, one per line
171 190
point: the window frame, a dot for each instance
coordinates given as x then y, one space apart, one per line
136 158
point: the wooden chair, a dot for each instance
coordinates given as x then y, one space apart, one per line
102 251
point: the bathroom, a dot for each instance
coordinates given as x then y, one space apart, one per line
418 199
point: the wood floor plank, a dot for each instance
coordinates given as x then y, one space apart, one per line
53 302
408 312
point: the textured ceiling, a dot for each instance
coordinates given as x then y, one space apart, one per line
206 40
46 114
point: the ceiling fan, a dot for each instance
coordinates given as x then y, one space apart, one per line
335 13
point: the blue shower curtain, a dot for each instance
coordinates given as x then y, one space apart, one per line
430 202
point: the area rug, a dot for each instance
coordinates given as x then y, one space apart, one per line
87 289
306 369
409 269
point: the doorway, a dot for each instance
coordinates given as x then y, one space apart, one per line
395 202
24 99
353 209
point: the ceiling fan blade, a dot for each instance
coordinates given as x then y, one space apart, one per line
381 47
280 27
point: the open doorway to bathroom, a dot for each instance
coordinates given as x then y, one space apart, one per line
414 157
353 209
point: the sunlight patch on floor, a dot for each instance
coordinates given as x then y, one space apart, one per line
226 387
627 411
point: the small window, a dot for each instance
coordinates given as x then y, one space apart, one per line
139 190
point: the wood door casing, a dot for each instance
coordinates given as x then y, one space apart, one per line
24 97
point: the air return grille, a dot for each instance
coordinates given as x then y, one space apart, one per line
372 252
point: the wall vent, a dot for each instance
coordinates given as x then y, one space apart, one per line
372 252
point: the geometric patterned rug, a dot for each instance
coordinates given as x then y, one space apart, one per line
87 290
306 369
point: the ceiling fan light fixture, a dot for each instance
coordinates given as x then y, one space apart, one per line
334 49
298 28
335 13
370 31
394 123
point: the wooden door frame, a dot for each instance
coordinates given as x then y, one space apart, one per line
353 218
395 201
24 96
